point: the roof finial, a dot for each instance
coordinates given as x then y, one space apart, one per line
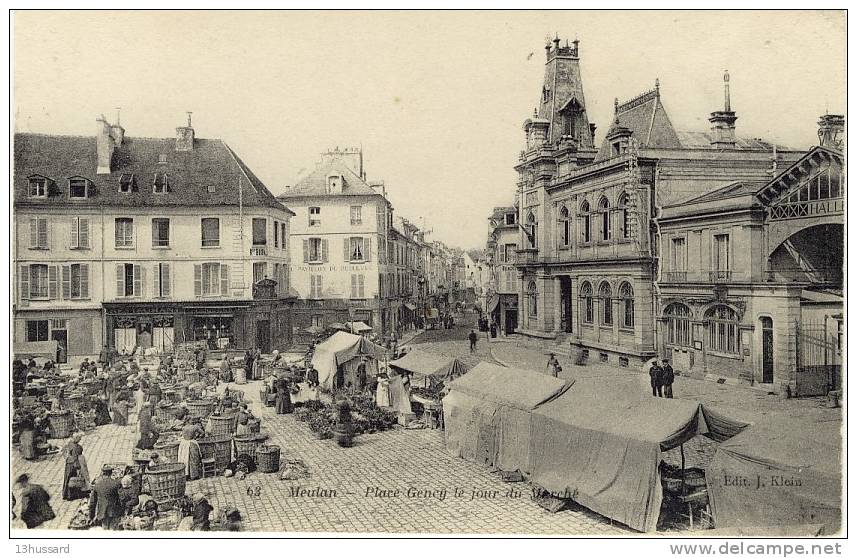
616 110
118 110
556 41
727 105
657 86
188 118
535 112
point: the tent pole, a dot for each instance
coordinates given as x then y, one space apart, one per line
682 468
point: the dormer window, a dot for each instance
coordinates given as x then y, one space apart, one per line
510 218
127 183
618 148
334 184
161 183
78 188
38 187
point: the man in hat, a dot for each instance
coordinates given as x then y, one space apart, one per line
656 379
667 378
472 338
104 505
35 502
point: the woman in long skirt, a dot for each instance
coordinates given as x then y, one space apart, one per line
102 413
190 455
283 403
120 412
75 466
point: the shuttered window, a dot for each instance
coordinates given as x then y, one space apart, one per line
129 280
315 286
210 232
358 285
124 232
79 234
75 281
315 250
211 279
39 233
162 280
160 233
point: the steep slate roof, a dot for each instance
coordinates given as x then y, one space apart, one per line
647 118
190 172
315 183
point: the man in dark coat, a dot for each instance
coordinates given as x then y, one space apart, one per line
656 379
35 503
667 379
201 513
104 505
148 434
283 404
472 338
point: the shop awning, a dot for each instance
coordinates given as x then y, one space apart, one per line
42 349
493 303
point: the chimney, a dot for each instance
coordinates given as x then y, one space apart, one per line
185 136
104 145
723 121
831 131
117 131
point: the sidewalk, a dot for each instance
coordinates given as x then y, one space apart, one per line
739 401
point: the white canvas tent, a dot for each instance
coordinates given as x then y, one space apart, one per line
345 350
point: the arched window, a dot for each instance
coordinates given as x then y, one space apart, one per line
564 226
722 329
585 223
586 309
532 299
678 324
626 304
605 298
604 211
533 228
625 216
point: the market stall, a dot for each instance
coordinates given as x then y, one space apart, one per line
429 374
487 413
794 477
337 359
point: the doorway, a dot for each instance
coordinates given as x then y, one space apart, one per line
565 304
263 336
767 350
61 337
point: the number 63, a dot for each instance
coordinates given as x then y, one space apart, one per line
254 490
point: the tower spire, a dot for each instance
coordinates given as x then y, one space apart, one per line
727 105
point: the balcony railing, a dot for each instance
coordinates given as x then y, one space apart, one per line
675 276
720 276
527 256
258 250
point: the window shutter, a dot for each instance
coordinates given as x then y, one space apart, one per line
84 280
66 281
197 280
367 248
320 287
346 249
138 280
118 235
43 233
361 291
224 279
324 250
34 233
353 285
157 280
75 232
24 281
120 280
166 280
53 282
306 250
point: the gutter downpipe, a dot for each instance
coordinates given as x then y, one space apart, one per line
656 258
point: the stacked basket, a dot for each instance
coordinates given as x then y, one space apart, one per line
200 408
166 482
218 447
168 449
223 425
62 423
248 444
268 458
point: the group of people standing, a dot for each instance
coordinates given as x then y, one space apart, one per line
662 377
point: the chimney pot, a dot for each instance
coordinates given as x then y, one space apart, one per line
185 136
104 145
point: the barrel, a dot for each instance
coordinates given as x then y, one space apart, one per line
168 449
218 447
166 482
61 423
268 458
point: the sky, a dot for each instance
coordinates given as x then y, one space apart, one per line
436 99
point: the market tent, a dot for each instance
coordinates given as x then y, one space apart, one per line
428 368
600 444
345 350
487 414
795 477
36 349
357 327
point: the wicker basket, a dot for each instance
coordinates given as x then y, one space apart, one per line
61 423
54 389
93 387
248 444
168 449
218 447
74 402
166 482
191 376
240 376
167 413
172 395
200 408
223 425
268 458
